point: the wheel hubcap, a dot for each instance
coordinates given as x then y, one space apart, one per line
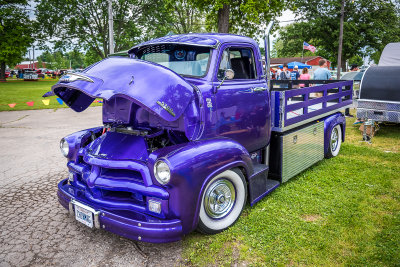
219 198
334 139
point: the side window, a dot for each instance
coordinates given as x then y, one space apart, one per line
202 58
241 61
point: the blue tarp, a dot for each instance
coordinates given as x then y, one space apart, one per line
298 64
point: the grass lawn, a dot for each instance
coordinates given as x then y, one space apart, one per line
342 211
20 92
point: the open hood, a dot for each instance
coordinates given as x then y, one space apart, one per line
149 85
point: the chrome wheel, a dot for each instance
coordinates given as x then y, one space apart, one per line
223 200
334 139
219 199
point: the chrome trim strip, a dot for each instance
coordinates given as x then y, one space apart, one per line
78 75
379 101
378 110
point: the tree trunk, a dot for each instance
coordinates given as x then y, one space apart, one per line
344 65
2 71
223 19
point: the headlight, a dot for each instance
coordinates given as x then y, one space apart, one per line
162 172
64 147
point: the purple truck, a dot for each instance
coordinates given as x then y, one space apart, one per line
192 131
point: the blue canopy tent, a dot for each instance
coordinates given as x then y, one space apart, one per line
298 64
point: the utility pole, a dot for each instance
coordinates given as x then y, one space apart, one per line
30 60
33 56
110 27
339 65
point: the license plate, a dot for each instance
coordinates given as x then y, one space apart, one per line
84 216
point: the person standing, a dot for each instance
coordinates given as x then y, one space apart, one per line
285 74
354 67
295 75
304 76
322 73
278 74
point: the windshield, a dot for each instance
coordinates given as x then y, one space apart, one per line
186 60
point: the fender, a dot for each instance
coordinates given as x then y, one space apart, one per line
79 139
329 123
192 166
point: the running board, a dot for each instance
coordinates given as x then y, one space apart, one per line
259 184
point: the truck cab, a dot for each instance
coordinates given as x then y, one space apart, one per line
188 122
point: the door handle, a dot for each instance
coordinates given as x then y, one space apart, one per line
259 89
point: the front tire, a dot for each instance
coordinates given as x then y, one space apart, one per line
223 201
335 142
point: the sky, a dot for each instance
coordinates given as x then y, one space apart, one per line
286 18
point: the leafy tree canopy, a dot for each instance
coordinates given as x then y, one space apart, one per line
84 23
64 60
368 27
185 17
246 17
15 33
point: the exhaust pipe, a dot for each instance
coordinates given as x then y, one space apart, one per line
267 52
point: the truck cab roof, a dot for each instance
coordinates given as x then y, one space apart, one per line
213 40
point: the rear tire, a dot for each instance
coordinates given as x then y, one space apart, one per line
335 142
222 202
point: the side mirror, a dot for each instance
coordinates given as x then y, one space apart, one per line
228 74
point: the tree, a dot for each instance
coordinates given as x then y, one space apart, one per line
15 33
366 30
84 23
290 41
245 17
48 58
356 60
76 58
91 57
185 16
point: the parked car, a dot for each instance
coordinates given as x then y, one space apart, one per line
30 75
356 77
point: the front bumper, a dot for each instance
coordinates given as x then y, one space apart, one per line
129 224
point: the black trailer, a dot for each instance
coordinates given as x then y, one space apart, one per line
380 88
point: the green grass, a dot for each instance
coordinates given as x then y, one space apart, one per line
342 211
20 92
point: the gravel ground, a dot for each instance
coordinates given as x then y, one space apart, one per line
35 230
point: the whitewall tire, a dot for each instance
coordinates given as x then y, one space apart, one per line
335 142
222 202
